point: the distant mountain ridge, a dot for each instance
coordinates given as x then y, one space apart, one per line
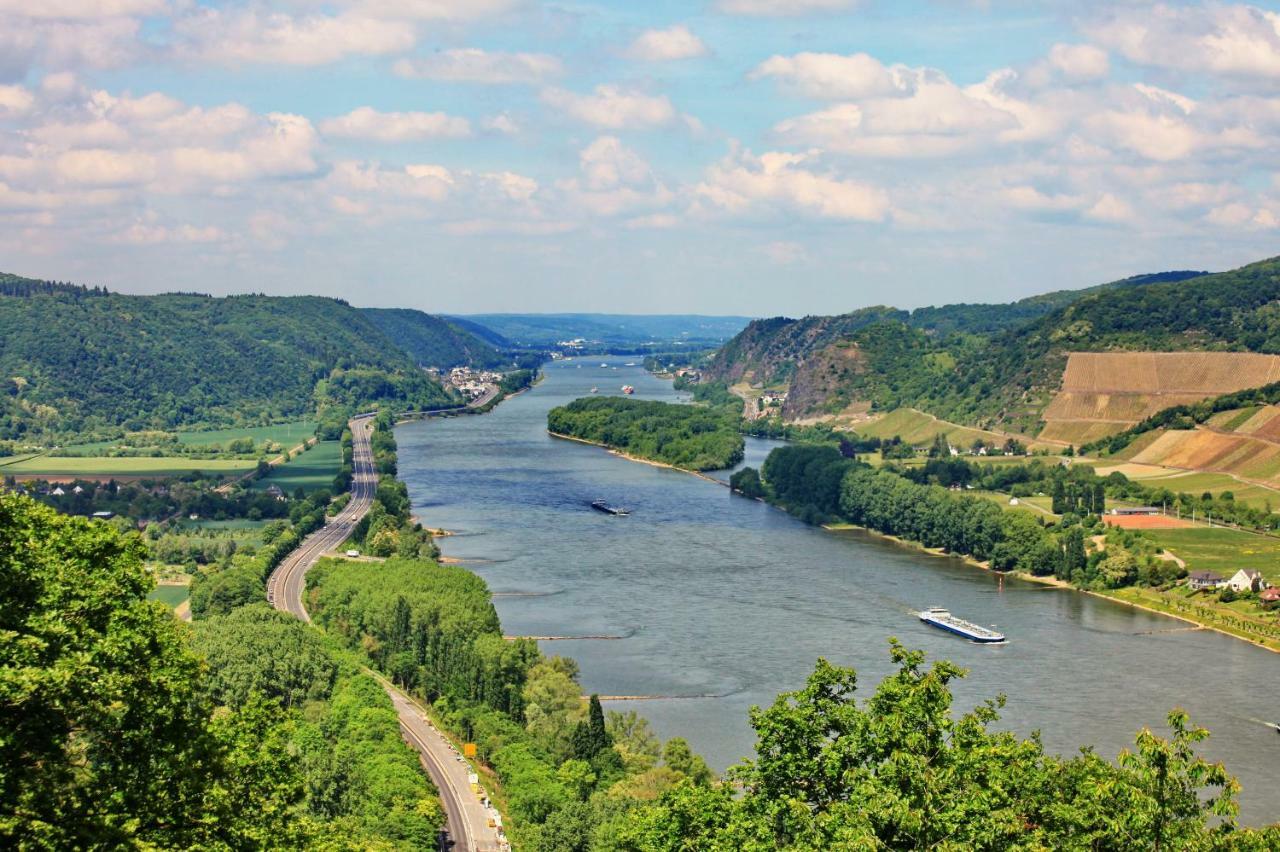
544 330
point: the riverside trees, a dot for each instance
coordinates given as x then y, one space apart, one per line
687 436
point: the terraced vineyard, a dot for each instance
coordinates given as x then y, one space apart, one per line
1107 392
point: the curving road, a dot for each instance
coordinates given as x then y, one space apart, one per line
467 819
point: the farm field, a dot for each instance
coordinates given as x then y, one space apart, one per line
288 435
1145 522
916 427
309 471
142 467
1222 549
169 595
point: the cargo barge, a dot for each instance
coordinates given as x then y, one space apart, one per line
602 506
943 620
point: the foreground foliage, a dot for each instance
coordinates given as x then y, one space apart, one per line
899 771
685 436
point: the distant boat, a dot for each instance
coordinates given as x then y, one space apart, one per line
629 364
604 365
628 389
940 618
602 506
595 390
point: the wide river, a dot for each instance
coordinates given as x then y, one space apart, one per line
723 602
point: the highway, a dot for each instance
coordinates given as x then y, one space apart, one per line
467 820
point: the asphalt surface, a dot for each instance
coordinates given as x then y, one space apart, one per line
467 820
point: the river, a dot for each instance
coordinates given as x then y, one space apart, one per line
723 602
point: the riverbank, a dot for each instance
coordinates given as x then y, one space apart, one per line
624 455
1122 596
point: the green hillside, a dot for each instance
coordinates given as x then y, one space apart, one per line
432 341
89 362
997 365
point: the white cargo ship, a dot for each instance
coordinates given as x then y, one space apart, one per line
944 620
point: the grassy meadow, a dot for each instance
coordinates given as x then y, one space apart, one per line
140 467
309 471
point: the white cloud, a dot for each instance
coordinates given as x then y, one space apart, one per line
1110 208
15 100
1079 61
144 233
613 108
1219 38
936 119
782 8
246 36
672 43
833 76
57 44
615 180
100 167
472 65
438 10
369 124
501 123
781 180
1238 215
84 9
607 163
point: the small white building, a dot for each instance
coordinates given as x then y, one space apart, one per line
57 492
1247 580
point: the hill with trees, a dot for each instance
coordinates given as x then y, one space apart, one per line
90 362
433 341
997 365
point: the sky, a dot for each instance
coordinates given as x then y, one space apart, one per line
756 157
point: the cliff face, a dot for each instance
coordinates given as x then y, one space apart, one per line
773 351
820 385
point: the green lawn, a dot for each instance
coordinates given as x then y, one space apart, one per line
170 596
1222 550
157 467
311 470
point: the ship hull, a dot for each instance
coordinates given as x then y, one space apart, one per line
959 631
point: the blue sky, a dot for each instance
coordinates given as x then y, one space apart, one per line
733 156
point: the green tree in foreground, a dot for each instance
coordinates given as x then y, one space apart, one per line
106 739
900 772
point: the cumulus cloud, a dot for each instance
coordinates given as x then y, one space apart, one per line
237 36
472 65
833 76
438 10
368 123
15 100
675 42
1217 38
785 182
146 233
1079 61
936 119
781 8
615 180
612 107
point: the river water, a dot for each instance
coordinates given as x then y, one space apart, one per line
723 602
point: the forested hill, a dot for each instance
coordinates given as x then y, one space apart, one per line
74 364
993 364
432 341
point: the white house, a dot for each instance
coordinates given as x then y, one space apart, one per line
57 492
1247 580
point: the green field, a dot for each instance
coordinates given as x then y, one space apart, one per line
1222 550
236 524
309 471
156 467
288 435
170 596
